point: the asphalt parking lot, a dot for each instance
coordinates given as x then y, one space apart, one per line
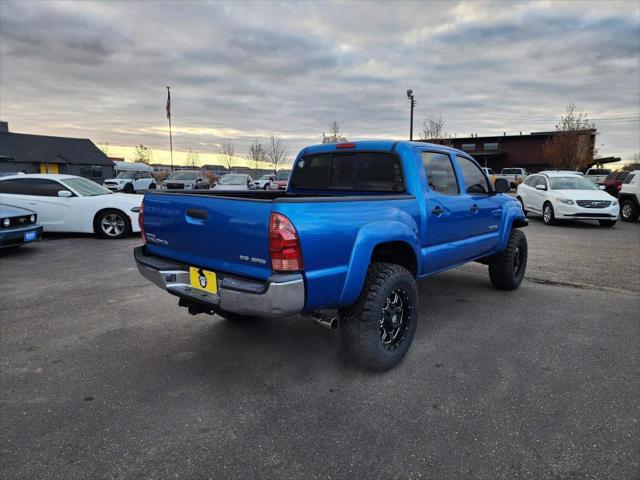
103 376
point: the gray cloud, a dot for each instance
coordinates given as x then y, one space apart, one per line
99 69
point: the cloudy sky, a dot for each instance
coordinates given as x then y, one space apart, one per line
242 70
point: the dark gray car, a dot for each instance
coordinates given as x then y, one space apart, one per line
186 180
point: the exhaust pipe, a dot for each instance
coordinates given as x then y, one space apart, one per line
332 323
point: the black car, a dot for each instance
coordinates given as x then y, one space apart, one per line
18 226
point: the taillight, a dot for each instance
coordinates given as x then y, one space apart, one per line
284 246
141 223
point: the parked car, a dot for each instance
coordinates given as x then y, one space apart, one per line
514 176
597 175
66 203
234 181
186 180
629 197
264 181
561 195
358 224
130 182
18 226
282 178
613 182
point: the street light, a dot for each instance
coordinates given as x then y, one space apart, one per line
413 104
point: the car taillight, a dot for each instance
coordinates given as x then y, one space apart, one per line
284 246
141 223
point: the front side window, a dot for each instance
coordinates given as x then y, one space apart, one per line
473 177
441 176
16 186
540 181
531 181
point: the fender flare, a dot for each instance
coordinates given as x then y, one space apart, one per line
512 217
368 238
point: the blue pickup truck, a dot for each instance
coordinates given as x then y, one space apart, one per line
358 224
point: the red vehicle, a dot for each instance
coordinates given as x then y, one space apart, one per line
613 182
281 180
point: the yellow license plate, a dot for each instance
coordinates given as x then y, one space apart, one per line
203 279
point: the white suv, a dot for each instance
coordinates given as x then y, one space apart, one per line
629 197
130 182
566 196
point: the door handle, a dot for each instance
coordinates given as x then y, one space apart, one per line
437 210
475 208
197 213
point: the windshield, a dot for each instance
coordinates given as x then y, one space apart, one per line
571 183
265 177
232 180
85 187
183 176
125 175
282 175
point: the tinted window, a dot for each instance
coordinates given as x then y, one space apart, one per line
440 174
629 178
15 185
44 188
361 171
473 177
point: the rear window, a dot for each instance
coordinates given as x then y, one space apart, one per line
357 171
511 171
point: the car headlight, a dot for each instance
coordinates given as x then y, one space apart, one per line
566 201
32 219
6 222
188 186
163 185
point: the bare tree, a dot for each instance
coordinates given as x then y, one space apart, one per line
276 151
573 144
193 159
257 154
143 154
335 135
227 151
433 128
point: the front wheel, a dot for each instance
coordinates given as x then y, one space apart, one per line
112 224
548 215
506 270
378 329
629 212
128 188
607 223
152 186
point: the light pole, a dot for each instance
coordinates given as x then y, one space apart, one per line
413 104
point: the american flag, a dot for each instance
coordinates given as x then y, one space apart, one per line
168 103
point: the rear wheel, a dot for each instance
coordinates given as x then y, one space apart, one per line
522 205
607 223
378 329
548 215
629 211
507 269
112 224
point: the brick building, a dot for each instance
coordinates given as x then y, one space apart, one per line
503 151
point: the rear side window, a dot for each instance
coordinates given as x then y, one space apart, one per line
17 186
440 174
358 171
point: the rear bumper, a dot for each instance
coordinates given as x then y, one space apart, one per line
279 296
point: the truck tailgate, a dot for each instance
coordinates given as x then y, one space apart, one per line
218 233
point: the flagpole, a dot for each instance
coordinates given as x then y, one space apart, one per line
169 117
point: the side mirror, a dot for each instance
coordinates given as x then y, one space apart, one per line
65 193
541 187
502 185
602 187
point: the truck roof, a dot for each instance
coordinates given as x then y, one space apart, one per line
381 145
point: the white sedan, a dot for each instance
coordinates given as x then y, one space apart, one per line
66 203
567 196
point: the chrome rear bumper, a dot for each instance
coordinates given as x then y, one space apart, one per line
279 296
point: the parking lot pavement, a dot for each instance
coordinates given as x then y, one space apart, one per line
104 376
